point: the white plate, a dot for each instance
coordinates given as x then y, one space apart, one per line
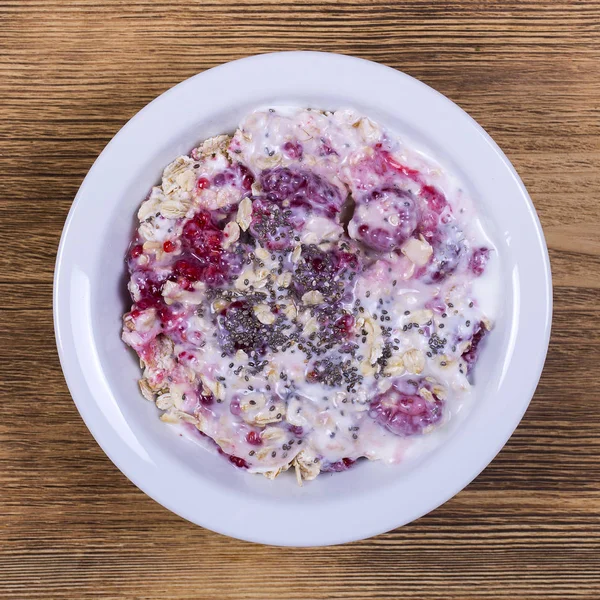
90 297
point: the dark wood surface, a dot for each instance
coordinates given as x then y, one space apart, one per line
72 526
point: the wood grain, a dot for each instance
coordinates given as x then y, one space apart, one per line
71 74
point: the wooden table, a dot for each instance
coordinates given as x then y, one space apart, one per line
72 526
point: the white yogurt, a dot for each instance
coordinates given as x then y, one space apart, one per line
290 334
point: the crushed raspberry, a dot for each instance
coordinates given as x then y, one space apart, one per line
448 249
345 325
203 236
472 354
202 183
405 414
206 399
189 270
327 150
253 438
436 201
339 466
383 162
376 238
478 260
235 460
150 289
245 177
401 217
303 189
238 462
293 150
237 175
136 251
204 258
173 321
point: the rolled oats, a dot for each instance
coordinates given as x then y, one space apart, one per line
312 297
263 314
231 233
414 361
418 251
244 214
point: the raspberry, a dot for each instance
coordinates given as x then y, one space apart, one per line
253 438
400 211
302 189
472 354
339 466
405 414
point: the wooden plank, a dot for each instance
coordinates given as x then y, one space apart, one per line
71 74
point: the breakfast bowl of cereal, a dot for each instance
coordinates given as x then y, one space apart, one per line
274 308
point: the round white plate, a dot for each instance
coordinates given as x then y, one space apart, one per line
90 297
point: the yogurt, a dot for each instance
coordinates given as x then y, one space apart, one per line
310 291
